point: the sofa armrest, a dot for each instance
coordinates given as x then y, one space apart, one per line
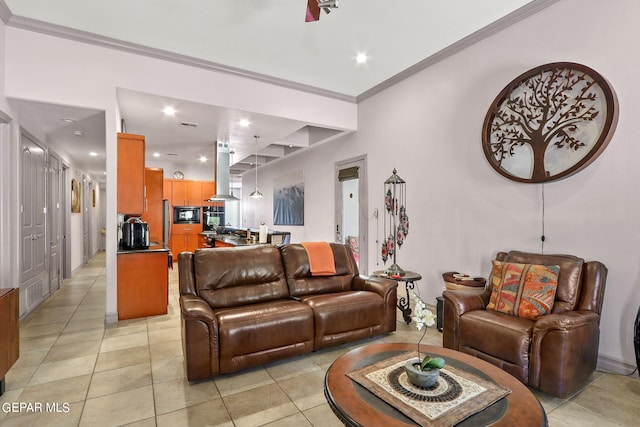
199 338
379 285
194 307
563 345
387 289
456 303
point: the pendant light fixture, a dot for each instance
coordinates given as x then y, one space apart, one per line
256 193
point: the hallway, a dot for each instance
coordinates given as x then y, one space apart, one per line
131 373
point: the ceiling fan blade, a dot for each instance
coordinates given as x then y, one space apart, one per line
313 11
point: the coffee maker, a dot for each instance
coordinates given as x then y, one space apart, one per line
135 234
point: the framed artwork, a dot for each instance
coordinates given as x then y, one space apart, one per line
288 199
549 123
75 196
93 197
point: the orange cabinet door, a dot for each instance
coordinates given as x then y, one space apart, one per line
179 195
178 244
166 190
142 291
208 190
194 193
131 151
153 178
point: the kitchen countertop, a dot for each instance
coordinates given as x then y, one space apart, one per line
236 236
154 247
236 241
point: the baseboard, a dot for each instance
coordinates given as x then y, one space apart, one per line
111 318
610 364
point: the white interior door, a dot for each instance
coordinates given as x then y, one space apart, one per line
87 189
55 222
351 208
34 286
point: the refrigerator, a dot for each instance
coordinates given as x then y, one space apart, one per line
166 222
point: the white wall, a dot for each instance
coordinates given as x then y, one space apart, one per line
199 172
428 127
55 70
461 211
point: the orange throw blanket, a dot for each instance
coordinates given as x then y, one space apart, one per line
321 259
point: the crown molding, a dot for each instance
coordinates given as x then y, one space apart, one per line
86 37
483 33
5 13
54 30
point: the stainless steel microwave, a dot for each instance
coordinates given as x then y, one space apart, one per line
186 214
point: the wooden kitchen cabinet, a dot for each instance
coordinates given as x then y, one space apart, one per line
185 237
131 152
143 280
208 190
186 193
153 179
9 332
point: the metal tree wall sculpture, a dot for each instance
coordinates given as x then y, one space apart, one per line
549 123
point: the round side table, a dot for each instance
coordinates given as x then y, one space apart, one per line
409 280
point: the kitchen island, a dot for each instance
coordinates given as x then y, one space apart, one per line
143 282
231 237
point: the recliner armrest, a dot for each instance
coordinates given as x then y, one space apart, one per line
563 345
199 338
463 300
456 303
387 289
565 321
194 307
379 285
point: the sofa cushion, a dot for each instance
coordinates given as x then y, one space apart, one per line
259 331
523 290
569 277
499 335
298 272
227 277
345 316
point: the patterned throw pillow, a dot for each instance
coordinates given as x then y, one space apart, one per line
523 290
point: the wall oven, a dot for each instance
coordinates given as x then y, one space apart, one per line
213 217
186 214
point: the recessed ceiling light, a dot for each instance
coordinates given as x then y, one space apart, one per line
203 159
68 120
169 111
78 133
361 58
93 154
156 154
244 123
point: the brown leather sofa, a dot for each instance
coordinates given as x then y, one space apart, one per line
555 353
247 306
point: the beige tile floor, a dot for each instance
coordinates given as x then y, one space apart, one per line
131 373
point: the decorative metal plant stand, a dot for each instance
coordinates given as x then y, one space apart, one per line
397 221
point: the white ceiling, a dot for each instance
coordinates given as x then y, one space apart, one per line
268 39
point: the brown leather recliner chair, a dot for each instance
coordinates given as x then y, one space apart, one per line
555 353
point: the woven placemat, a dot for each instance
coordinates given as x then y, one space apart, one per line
456 396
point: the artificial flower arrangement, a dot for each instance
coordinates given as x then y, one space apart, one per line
424 318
